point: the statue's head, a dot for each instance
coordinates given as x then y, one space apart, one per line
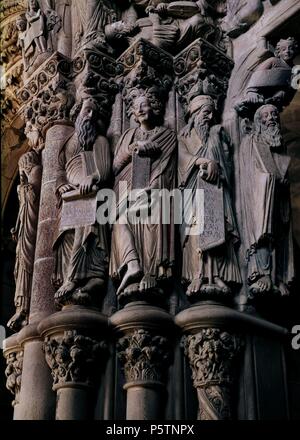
287 49
21 23
33 5
267 125
88 124
27 162
147 107
201 111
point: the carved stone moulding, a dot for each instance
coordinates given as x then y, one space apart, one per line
202 69
145 349
13 353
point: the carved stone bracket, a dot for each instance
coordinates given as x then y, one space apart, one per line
13 354
202 69
212 354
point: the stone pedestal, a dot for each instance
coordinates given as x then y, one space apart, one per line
218 353
75 352
145 350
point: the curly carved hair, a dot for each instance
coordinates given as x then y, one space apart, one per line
154 97
284 40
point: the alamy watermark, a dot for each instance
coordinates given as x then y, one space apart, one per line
296 338
295 81
152 206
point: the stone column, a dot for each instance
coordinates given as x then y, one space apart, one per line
212 345
76 352
53 131
145 351
13 354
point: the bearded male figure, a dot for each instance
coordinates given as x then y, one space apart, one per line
81 252
142 254
266 206
205 153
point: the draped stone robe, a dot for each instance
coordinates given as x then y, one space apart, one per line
223 257
81 253
266 211
151 244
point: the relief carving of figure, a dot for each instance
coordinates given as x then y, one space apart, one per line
169 25
271 82
145 159
24 233
84 167
205 155
266 206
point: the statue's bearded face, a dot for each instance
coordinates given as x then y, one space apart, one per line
203 121
269 126
86 125
142 110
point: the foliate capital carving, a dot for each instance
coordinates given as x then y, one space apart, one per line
202 69
74 358
13 373
212 353
145 357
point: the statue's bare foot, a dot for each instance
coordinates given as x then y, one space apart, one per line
194 287
283 289
147 283
65 290
18 321
133 273
92 285
220 283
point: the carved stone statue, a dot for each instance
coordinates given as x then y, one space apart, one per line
24 233
145 159
210 264
36 27
84 167
241 14
171 26
21 24
90 19
271 82
266 206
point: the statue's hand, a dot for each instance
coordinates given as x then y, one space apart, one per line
65 188
162 8
145 149
87 185
254 98
213 172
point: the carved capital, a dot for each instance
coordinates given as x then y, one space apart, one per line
143 66
145 357
13 372
74 359
94 73
212 354
202 69
48 96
